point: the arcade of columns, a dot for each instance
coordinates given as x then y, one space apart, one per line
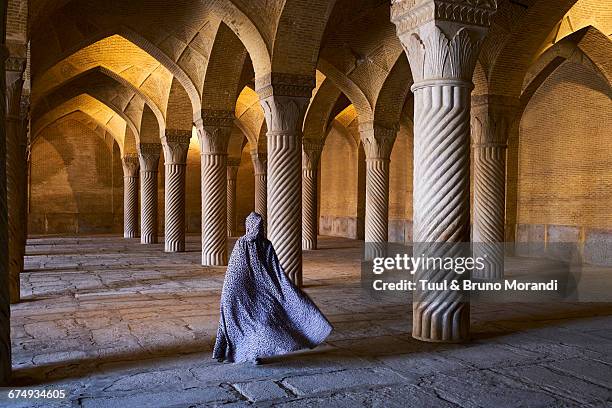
441 40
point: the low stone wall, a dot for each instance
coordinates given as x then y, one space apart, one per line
338 226
74 223
592 246
400 230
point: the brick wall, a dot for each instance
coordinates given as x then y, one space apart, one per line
339 187
565 164
565 151
73 181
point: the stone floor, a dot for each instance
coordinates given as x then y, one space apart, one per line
118 324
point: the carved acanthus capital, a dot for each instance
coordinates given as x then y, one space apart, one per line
442 38
233 164
492 119
260 162
279 84
284 114
130 164
176 146
148 154
311 153
377 140
214 130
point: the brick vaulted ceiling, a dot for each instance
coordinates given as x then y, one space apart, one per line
158 53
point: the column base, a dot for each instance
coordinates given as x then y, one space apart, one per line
174 247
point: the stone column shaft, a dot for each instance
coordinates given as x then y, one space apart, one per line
442 42
131 166
284 99
492 118
176 147
5 310
232 173
148 154
214 131
16 169
311 154
260 167
378 144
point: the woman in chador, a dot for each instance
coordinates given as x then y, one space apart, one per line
262 312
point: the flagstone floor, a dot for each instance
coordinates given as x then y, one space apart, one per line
117 324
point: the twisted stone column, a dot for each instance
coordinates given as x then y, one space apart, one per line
260 167
131 166
311 154
148 154
442 42
233 165
377 144
176 146
5 310
284 99
492 117
214 131
16 169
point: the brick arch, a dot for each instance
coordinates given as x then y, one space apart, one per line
393 94
298 36
56 118
512 61
151 130
320 110
250 116
101 84
139 41
234 14
349 88
179 114
587 46
221 85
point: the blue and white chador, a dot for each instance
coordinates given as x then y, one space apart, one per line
262 312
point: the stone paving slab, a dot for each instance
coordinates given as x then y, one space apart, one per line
120 324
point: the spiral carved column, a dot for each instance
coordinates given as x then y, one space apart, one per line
16 169
492 118
5 310
284 99
213 132
310 166
260 167
148 154
131 165
377 143
233 165
176 146
442 54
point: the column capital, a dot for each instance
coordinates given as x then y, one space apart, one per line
130 164
148 154
311 153
411 14
284 114
260 161
377 140
176 146
492 118
233 164
214 130
280 84
442 38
